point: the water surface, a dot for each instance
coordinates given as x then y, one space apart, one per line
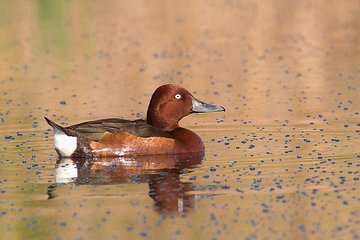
281 163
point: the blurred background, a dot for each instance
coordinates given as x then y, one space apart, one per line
265 61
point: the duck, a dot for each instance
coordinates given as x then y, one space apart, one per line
158 134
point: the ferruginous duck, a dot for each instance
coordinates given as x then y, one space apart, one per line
158 134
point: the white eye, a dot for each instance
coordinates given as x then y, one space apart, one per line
178 96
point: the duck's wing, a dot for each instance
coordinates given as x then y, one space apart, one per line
95 129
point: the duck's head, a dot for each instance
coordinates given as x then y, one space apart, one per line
170 103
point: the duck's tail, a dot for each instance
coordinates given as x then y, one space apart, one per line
65 141
57 128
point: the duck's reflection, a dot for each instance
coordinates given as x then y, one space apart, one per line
170 193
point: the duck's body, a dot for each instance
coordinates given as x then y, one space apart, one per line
119 137
159 134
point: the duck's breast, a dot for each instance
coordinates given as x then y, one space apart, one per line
187 141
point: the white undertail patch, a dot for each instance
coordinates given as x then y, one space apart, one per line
66 145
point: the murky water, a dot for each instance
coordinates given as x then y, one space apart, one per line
282 163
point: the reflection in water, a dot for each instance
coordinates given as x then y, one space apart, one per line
170 193
161 172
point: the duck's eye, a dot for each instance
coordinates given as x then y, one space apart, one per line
178 96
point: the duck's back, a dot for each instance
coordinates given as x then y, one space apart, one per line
95 130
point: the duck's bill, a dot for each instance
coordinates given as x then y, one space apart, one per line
202 107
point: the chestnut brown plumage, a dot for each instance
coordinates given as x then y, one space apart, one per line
158 134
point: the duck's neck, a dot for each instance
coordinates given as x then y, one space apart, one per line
163 122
